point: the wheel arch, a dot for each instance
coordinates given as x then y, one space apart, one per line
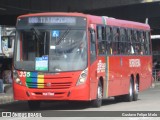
132 78
137 80
101 79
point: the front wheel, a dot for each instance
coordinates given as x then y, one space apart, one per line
98 101
34 105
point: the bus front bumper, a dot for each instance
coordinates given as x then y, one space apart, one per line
80 92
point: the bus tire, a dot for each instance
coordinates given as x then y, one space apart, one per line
129 96
34 105
136 91
98 101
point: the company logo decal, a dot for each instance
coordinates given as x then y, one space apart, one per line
48 84
134 63
101 66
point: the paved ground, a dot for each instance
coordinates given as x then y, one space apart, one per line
7 96
149 100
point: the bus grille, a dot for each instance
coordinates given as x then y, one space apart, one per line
60 85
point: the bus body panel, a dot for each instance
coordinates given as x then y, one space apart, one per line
120 71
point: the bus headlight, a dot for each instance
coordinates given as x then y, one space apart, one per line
16 77
82 77
18 81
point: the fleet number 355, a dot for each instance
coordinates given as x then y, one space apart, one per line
24 74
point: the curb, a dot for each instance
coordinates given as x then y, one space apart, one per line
155 85
4 99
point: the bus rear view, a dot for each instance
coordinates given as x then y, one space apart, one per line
50 59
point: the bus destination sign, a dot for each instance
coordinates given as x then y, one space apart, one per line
52 20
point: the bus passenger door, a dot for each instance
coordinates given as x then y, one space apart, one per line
93 64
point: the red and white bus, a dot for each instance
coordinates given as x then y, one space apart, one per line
75 56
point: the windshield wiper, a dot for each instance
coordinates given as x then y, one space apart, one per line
36 33
44 45
63 36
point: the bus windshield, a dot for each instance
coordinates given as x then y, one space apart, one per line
52 50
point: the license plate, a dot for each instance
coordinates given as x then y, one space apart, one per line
48 94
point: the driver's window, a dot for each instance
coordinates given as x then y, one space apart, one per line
92 46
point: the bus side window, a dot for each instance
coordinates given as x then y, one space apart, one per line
135 42
138 44
115 43
92 46
132 42
145 43
129 42
101 36
104 33
148 48
109 40
126 42
104 42
122 41
99 32
142 43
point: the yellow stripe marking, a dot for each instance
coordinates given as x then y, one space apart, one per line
40 81
107 75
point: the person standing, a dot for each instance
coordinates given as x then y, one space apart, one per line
7 75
